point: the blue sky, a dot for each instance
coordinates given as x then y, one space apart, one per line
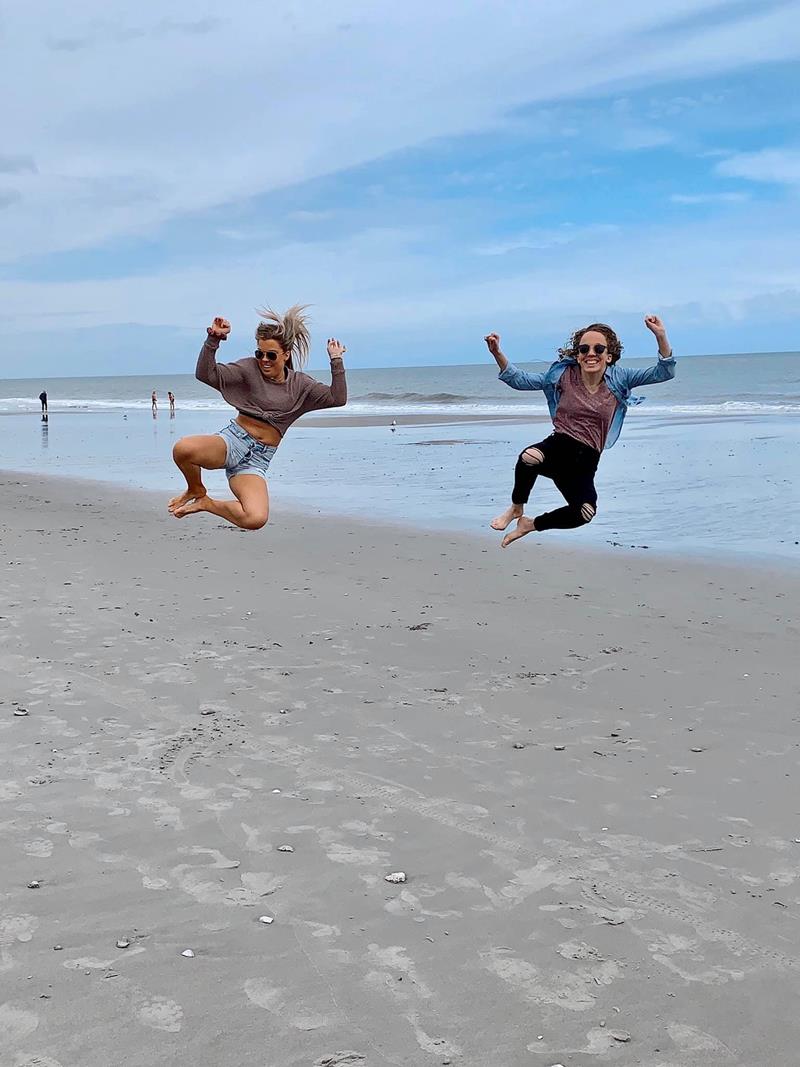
419 175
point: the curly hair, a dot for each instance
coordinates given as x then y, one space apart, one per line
615 346
290 330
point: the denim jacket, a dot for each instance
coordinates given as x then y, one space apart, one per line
620 380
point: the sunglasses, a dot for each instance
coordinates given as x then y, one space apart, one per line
597 349
271 356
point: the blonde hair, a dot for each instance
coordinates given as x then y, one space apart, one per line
290 330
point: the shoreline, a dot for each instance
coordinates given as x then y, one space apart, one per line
586 769
656 417
568 544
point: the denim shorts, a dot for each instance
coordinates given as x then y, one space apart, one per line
245 454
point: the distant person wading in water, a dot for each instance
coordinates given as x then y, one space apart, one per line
588 395
43 401
270 392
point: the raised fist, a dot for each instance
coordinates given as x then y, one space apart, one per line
219 328
493 343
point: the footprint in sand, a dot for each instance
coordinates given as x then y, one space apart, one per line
261 992
17 928
15 1024
151 880
160 1013
690 1039
598 1043
40 848
14 928
562 990
342 852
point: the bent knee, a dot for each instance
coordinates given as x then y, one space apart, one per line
532 457
255 521
182 449
588 512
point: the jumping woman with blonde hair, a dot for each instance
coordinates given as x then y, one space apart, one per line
270 392
588 395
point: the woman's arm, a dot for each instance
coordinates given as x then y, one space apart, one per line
664 369
207 370
335 394
511 375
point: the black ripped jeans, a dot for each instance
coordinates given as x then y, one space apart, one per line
571 466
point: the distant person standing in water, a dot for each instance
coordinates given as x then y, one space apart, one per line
43 399
154 401
270 392
171 399
588 395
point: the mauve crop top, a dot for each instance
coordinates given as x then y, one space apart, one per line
279 404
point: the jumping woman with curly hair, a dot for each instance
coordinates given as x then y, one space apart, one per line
270 392
587 394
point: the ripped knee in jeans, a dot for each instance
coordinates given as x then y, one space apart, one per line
588 512
532 456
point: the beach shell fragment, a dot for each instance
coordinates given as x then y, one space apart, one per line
21 712
285 848
266 919
620 1035
559 748
396 877
518 744
123 942
34 884
187 952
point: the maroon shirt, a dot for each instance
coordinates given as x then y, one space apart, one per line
584 416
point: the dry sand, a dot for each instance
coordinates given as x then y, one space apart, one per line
586 765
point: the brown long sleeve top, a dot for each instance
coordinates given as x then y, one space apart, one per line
277 403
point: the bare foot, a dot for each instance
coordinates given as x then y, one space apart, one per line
195 493
192 507
524 526
508 516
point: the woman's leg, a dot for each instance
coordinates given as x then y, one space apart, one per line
249 511
526 472
191 454
577 488
573 476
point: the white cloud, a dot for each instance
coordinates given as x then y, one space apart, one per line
385 281
636 138
709 198
778 165
132 120
542 239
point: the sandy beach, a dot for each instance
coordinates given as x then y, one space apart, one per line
585 764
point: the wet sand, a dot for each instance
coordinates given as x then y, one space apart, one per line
586 764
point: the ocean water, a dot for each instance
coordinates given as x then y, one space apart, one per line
705 385
707 465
